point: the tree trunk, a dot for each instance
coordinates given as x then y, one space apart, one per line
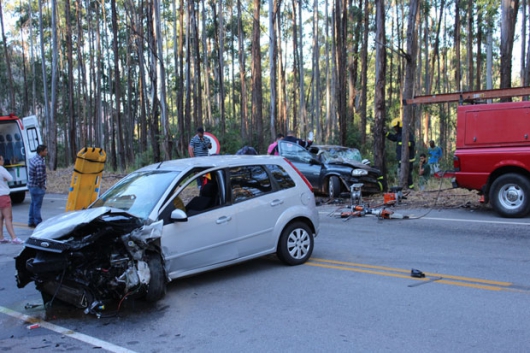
469 45
379 98
242 75
509 9
52 126
408 92
272 67
341 13
206 63
456 60
221 70
164 120
72 130
44 78
257 94
117 86
364 70
302 105
10 86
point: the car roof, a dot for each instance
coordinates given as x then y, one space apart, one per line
214 161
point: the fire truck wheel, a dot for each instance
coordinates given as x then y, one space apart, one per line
510 195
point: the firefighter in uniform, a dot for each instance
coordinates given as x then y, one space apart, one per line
397 125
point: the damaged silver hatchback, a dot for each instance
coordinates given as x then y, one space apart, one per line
170 220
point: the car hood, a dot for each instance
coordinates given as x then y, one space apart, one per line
59 226
353 164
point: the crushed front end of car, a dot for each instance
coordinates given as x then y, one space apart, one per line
371 178
86 258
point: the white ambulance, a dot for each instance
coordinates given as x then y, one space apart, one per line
19 138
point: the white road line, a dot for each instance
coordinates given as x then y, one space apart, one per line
413 217
475 221
67 332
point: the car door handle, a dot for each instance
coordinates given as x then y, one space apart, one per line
276 202
223 219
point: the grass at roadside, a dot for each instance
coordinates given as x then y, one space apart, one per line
59 180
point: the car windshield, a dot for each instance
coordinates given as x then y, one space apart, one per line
138 192
352 154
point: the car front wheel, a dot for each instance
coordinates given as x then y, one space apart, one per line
333 187
510 195
296 244
157 283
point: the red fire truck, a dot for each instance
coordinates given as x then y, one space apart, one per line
492 152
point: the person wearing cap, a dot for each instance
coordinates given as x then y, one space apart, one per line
435 154
199 144
397 125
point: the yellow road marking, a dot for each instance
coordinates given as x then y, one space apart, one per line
461 281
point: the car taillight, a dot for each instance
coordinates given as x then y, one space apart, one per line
456 163
301 175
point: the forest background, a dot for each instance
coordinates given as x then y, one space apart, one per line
137 77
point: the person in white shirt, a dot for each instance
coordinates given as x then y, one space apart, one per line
6 212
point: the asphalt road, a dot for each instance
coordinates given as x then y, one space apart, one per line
356 294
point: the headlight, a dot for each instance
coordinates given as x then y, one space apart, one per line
359 172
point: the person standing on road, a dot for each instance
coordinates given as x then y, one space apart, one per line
435 154
37 185
6 212
199 144
397 125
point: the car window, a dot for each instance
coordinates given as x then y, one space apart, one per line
247 182
283 178
138 193
198 192
294 152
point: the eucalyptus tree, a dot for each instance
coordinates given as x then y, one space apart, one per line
52 118
10 86
242 73
408 91
509 9
379 99
257 88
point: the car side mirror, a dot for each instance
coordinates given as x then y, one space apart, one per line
179 216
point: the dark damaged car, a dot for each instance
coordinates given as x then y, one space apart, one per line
332 170
157 224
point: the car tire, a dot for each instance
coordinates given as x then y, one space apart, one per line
18 197
157 284
296 244
333 187
510 195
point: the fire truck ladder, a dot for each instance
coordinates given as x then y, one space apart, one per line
469 97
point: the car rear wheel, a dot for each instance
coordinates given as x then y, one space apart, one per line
510 195
157 283
333 187
296 244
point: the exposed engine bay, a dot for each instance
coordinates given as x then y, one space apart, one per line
86 259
